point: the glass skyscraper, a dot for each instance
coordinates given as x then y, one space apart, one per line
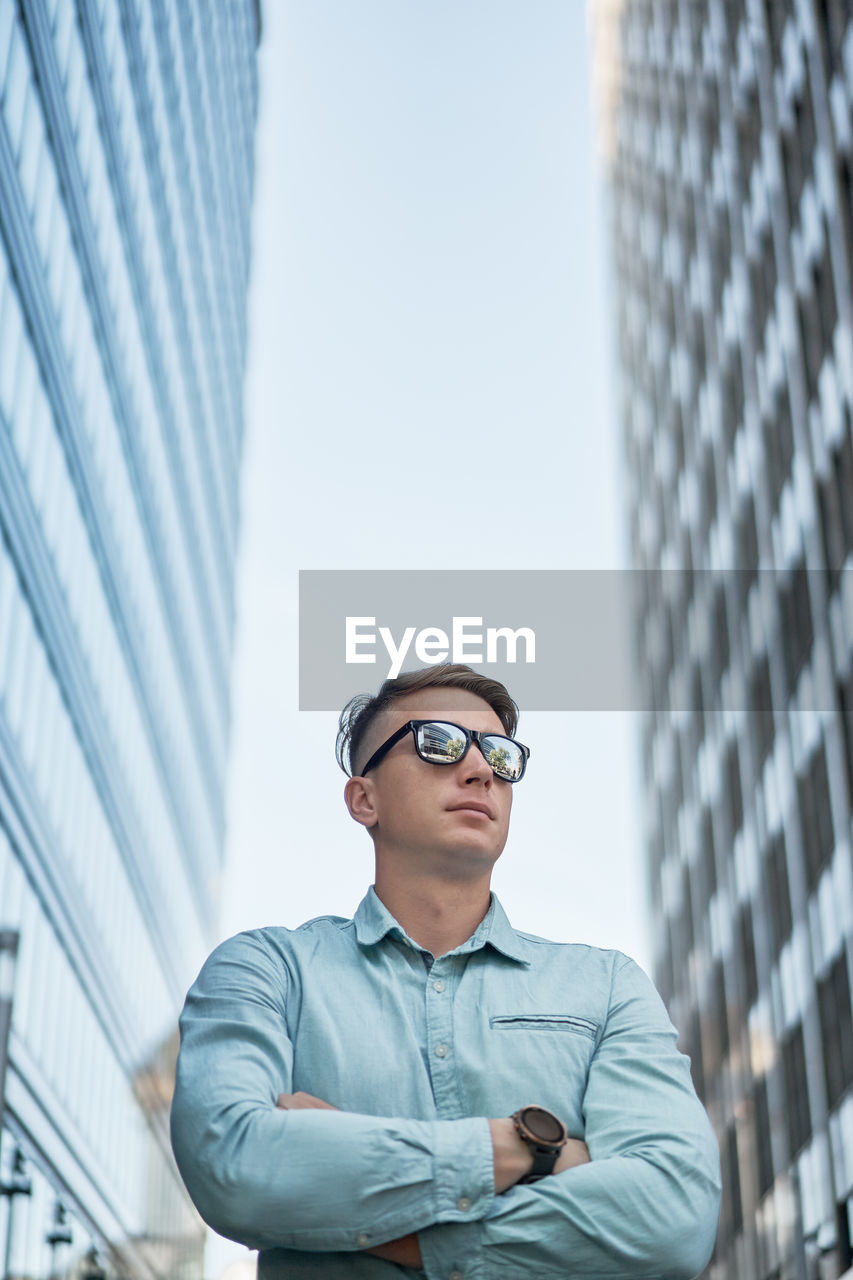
126 172
726 131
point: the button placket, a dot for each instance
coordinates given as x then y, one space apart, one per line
439 1013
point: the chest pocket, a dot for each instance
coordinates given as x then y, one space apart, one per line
563 1022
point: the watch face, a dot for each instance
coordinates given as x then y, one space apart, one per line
545 1126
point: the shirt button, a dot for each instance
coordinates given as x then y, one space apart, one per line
441 1050
463 1204
362 1241
438 985
456 1275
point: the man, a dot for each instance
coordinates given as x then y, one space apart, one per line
369 1097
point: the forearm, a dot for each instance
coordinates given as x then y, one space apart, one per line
644 1216
319 1180
511 1160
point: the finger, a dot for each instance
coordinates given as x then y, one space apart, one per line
574 1153
301 1101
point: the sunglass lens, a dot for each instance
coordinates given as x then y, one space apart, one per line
440 743
505 757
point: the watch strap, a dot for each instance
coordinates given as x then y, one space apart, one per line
544 1159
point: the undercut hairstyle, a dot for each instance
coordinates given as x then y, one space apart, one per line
361 711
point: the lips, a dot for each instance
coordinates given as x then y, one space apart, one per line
475 805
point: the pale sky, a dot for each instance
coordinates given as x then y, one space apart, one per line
428 318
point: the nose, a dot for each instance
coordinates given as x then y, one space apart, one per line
475 767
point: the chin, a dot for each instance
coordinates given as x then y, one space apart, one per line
476 854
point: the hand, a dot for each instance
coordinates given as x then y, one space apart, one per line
513 1158
302 1102
405 1251
575 1152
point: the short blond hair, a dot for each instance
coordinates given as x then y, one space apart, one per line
361 711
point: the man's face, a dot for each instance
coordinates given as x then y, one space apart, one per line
455 817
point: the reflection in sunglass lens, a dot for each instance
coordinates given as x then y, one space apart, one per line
441 743
504 756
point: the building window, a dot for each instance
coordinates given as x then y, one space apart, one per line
815 816
797 1112
836 510
721 252
824 288
778 891
686 938
709 122
836 1024
776 13
747 956
762 279
720 652
797 634
676 434
761 712
763 1145
731 1209
779 445
811 341
798 145
845 192
845 706
697 704
735 791
746 550
708 486
831 25
748 119
722 1014
708 863
733 397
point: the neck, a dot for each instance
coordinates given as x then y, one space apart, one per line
438 915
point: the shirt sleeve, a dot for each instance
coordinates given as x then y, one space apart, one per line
646 1206
310 1180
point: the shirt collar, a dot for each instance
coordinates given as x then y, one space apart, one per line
373 922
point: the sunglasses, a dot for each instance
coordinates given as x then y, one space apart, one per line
439 742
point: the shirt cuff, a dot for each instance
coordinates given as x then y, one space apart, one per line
464 1170
464 1183
452 1252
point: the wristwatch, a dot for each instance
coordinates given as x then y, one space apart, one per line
545 1135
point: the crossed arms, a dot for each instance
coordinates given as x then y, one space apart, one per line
511 1159
317 1179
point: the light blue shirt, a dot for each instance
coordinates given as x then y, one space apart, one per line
417 1056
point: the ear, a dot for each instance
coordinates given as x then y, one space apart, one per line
359 799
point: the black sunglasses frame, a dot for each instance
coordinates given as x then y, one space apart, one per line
470 735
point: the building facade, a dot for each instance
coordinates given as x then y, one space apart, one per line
126 173
726 132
